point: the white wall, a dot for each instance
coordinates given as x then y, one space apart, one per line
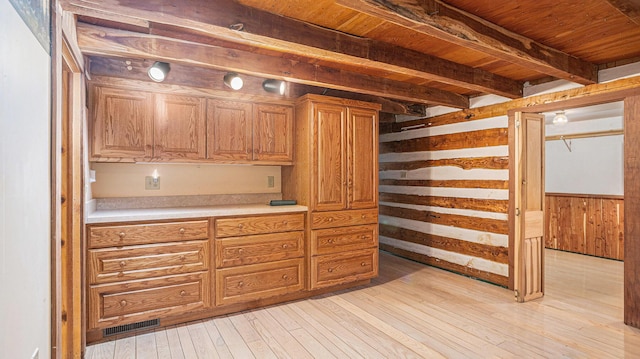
593 166
24 190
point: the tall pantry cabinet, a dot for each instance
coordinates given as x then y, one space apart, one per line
335 174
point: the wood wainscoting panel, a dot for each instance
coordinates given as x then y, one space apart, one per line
587 224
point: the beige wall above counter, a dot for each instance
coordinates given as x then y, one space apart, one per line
128 179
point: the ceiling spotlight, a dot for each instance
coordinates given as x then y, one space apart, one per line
560 118
275 86
232 80
159 71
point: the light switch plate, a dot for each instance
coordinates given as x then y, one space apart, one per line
270 181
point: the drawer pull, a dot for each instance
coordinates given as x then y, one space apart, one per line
285 246
285 277
330 270
363 264
183 293
183 257
330 219
240 284
182 230
121 235
363 216
285 223
330 241
123 303
240 226
240 250
363 237
123 263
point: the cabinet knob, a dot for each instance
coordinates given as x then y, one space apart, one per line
183 257
182 230
240 226
183 293
330 270
240 250
123 264
123 303
363 237
285 277
330 219
122 235
363 216
363 264
285 246
240 284
330 241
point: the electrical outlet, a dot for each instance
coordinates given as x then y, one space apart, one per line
151 184
36 354
270 181
403 174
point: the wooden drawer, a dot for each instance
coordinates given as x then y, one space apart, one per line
242 226
146 261
253 282
332 240
134 301
260 248
333 269
124 235
343 218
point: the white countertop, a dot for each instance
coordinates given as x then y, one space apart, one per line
147 214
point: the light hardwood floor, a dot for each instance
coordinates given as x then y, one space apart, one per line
415 311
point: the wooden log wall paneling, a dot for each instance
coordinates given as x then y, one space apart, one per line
444 195
586 224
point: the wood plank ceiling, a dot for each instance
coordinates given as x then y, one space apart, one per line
405 54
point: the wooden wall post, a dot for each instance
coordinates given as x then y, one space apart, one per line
632 209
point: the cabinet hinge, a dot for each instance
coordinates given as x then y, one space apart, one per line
517 123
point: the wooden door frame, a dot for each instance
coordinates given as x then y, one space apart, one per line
632 210
67 183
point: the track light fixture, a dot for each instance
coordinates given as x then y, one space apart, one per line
560 118
159 71
232 80
274 86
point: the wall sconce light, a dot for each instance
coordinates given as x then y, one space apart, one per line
159 71
232 80
274 86
560 118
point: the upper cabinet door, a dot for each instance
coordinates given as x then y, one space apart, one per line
362 158
228 130
273 133
179 127
329 155
122 124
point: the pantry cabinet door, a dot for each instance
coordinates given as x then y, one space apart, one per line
329 158
362 158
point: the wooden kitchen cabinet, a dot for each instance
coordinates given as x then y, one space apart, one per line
344 145
253 133
259 257
146 271
335 174
129 125
179 128
122 124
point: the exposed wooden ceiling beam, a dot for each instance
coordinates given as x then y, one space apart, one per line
263 30
211 80
630 8
95 40
437 19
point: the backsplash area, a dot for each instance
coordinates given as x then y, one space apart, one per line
128 180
